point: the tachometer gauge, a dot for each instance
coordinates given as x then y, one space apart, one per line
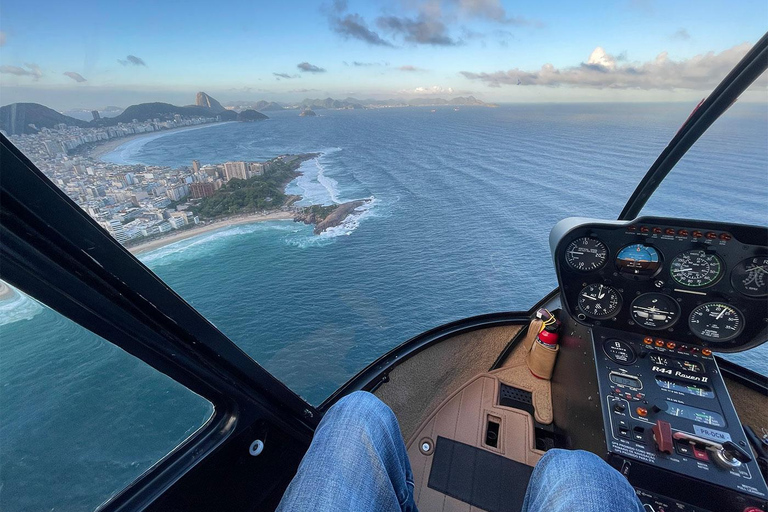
638 260
696 269
586 254
655 311
750 277
716 321
599 301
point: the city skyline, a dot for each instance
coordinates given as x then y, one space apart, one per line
639 50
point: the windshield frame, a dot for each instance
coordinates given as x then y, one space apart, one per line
751 66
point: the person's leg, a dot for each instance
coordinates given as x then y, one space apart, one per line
357 461
578 481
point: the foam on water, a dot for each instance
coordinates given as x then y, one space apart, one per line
314 186
18 307
350 224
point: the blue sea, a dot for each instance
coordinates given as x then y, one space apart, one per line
461 205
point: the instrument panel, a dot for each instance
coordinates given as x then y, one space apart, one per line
703 284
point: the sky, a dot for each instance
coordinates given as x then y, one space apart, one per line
90 54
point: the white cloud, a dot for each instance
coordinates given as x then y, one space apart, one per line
602 70
435 89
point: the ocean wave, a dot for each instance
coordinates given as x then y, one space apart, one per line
346 228
18 307
314 186
208 242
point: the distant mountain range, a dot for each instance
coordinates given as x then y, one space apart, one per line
29 118
318 104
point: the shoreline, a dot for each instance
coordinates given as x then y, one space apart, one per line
98 151
202 229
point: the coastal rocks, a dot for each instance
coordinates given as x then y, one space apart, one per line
307 113
326 217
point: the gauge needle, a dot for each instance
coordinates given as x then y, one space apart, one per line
589 297
682 270
601 293
720 315
575 252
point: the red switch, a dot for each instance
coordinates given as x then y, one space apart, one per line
662 434
700 453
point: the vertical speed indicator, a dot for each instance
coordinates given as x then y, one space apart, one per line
586 254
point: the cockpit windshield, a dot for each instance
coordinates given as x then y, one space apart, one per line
325 182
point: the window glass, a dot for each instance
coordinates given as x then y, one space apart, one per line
81 419
724 178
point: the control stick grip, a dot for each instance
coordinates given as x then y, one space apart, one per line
662 435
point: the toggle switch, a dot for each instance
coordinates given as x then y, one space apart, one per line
662 436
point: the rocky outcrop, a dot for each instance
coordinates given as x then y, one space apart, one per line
326 217
203 100
307 113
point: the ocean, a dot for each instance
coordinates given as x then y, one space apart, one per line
461 205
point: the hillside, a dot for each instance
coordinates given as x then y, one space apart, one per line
251 115
17 118
146 111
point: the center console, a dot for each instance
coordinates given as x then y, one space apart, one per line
658 297
665 406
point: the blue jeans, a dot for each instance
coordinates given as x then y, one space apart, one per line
357 462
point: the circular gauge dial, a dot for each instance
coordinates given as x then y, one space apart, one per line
586 254
716 321
655 311
599 301
750 277
696 269
638 260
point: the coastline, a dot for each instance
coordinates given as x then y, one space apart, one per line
99 151
213 226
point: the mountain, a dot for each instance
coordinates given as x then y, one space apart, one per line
203 100
251 115
268 106
147 111
308 112
327 103
17 118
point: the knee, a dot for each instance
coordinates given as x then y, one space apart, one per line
361 409
572 460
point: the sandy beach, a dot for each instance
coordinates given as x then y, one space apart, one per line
98 151
219 224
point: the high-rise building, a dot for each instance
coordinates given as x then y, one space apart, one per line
201 190
196 166
96 115
235 170
257 169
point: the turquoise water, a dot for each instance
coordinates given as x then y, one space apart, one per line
461 207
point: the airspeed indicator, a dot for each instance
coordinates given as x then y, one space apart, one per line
586 254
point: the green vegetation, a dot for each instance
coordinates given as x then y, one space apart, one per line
264 192
320 212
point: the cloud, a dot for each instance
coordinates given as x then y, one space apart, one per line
77 77
310 68
435 89
285 75
353 26
421 30
295 91
409 68
132 60
492 10
358 64
32 70
603 71
2 38
681 35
